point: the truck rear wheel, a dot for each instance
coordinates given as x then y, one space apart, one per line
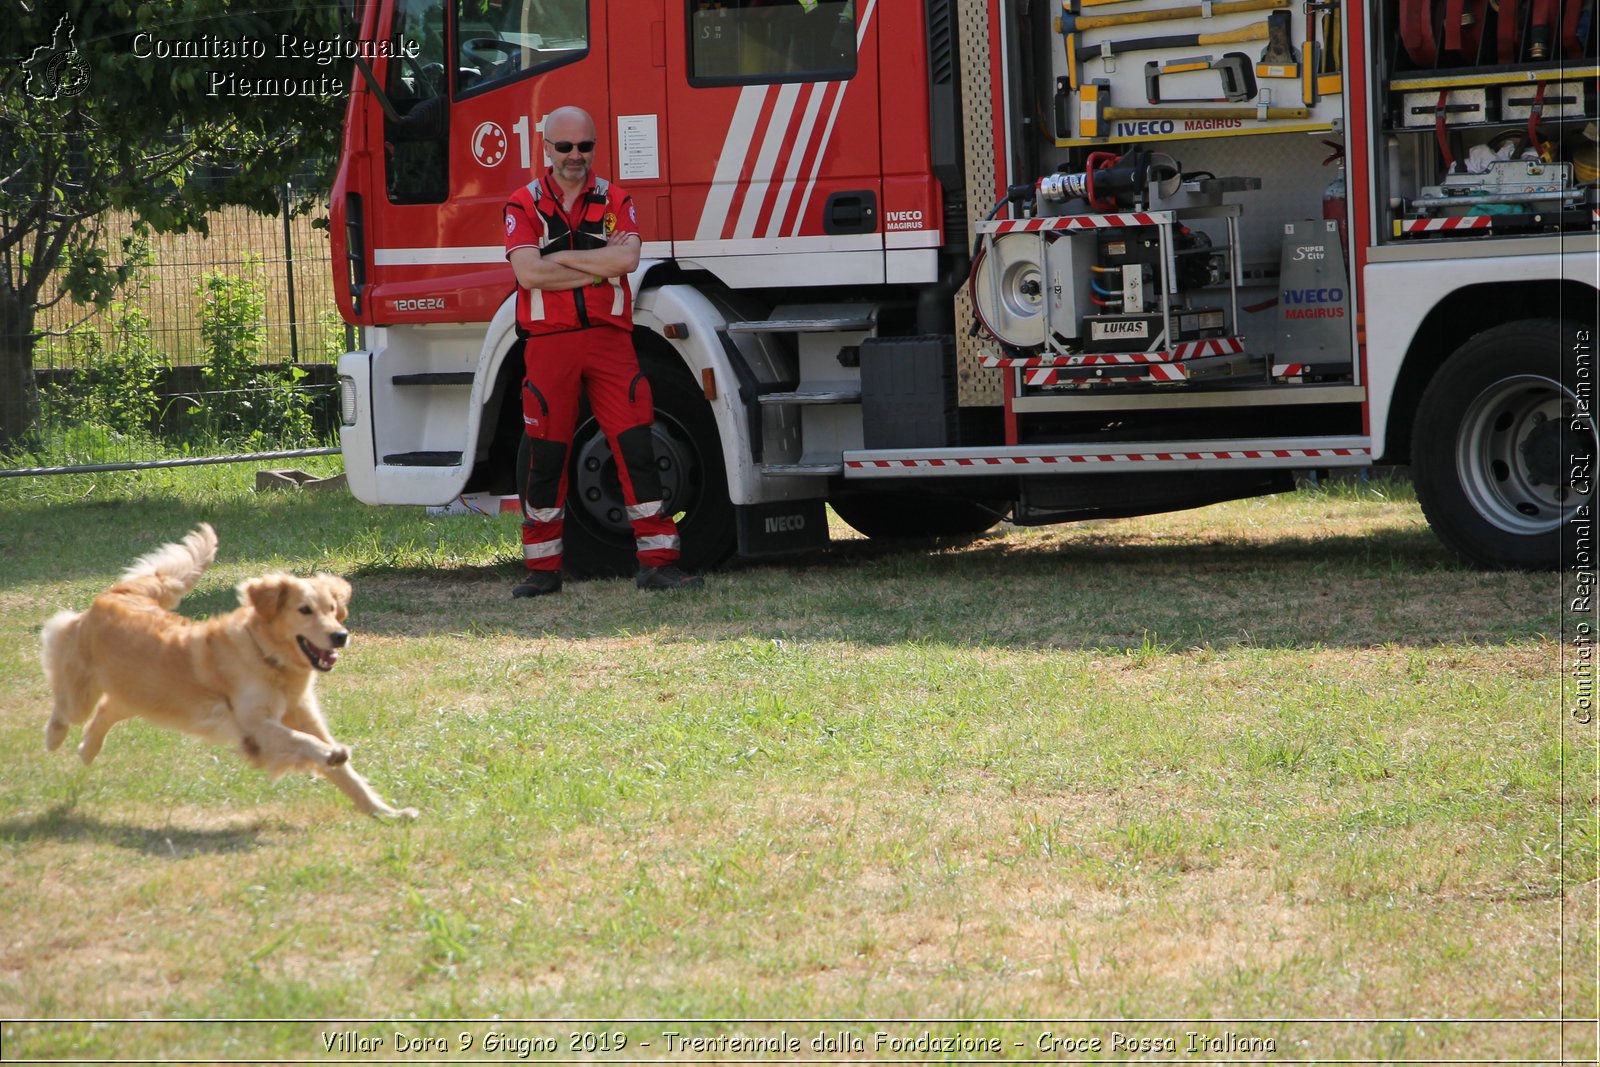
905 513
1498 465
598 539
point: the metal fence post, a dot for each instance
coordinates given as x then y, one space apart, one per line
288 270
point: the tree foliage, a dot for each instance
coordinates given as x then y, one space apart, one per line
129 118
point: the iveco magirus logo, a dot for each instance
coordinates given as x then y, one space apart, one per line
56 69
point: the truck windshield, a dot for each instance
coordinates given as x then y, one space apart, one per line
502 40
735 42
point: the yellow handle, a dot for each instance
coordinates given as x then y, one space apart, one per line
1256 31
1227 7
1205 113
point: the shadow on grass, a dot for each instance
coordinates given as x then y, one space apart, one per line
839 554
67 542
1094 588
62 823
997 557
1396 588
1410 548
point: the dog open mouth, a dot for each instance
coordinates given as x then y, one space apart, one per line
322 659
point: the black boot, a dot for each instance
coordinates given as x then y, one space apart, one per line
537 583
667 577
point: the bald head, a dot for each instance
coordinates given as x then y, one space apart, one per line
569 119
570 126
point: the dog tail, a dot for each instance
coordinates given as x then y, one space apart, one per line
56 631
71 688
167 574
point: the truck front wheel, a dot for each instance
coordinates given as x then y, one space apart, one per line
1499 459
598 539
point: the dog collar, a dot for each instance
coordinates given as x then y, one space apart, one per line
271 661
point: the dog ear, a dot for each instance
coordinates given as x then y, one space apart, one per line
266 595
340 590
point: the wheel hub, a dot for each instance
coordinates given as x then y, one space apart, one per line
597 489
1541 452
1512 458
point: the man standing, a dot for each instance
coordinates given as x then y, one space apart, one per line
572 239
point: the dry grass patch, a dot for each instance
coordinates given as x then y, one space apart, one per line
1271 759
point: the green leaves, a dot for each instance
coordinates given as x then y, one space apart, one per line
146 134
90 276
150 104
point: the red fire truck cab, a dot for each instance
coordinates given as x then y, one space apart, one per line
937 264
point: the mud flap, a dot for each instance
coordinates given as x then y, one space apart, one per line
781 526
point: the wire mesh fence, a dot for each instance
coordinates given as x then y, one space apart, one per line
221 346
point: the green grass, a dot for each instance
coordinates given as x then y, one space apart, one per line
1270 762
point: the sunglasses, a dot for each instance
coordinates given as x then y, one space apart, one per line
563 147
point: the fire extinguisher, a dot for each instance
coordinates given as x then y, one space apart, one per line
1333 195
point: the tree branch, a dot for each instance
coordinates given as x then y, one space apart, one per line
37 205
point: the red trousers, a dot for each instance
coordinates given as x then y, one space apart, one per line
599 362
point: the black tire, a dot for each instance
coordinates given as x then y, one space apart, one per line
908 514
598 539
1498 466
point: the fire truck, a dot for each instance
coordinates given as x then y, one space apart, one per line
942 263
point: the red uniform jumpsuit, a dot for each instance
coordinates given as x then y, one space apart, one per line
581 340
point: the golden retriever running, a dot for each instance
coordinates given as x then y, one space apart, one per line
246 678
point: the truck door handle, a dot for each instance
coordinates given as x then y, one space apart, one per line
851 211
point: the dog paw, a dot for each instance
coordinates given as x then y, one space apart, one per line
338 755
55 732
396 814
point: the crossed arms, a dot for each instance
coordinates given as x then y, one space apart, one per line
576 268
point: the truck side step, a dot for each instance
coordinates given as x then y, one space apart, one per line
423 459
460 377
803 469
804 325
820 393
1113 457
